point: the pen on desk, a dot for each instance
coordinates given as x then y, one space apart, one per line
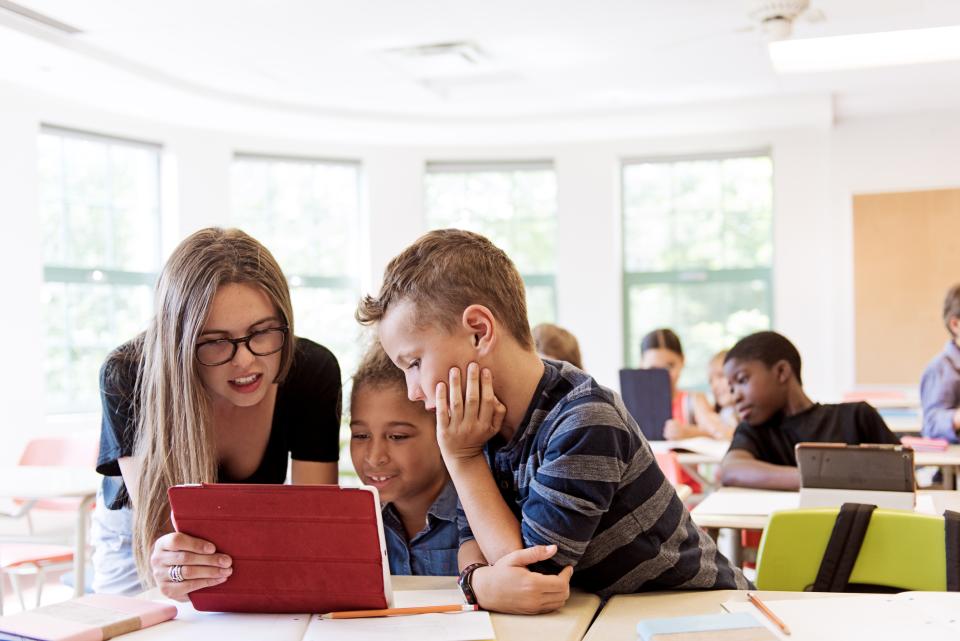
389 612
767 612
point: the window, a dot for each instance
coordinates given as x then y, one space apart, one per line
100 220
698 250
307 213
512 204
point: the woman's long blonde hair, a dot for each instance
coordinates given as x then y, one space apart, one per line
175 438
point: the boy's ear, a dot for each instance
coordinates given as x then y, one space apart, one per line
478 320
783 371
954 326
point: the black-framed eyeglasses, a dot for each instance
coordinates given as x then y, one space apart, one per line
261 343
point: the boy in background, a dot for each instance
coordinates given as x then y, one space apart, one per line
940 384
393 446
551 470
776 414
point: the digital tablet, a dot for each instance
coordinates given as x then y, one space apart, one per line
295 548
839 466
646 394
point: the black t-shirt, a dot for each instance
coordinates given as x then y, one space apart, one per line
773 440
306 417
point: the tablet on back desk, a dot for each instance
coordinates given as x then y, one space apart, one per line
295 548
646 394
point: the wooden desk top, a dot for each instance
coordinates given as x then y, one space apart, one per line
619 617
45 482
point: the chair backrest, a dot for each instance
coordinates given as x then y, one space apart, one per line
70 451
901 550
670 465
60 450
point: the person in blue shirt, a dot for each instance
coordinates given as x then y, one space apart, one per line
393 445
940 384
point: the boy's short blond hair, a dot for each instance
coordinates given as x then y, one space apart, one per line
444 272
555 342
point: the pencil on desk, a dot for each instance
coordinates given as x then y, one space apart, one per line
767 612
389 612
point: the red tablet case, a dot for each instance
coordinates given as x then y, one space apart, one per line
295 548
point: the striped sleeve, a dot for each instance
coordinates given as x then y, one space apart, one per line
585 460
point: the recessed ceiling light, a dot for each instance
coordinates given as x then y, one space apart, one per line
890 48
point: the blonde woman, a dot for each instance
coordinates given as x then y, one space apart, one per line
218 389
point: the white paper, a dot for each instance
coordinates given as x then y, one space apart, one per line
747 502
703 445
458 626
191 625
877 617
700 445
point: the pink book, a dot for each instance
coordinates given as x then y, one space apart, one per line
924 444
95 617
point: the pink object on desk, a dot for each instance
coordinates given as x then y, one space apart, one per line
95 617
923 444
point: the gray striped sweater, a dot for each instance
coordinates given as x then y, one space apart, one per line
578 473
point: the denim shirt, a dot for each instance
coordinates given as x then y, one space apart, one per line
940 393
433 551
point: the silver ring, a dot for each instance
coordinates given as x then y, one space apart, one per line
176 573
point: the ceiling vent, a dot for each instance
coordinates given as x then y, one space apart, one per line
38 18
440 60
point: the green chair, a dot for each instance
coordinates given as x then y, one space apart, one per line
901 550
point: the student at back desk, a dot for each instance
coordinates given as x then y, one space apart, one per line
940 384
764 374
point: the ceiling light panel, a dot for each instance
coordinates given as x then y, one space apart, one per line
860 51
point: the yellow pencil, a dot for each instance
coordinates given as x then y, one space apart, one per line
767 612
389 612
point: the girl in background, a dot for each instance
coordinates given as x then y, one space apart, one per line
722 397
692 414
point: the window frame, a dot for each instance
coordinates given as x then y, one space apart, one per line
530 279
98 275
692 276
345 282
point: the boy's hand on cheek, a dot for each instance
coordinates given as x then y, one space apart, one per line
508 586
465 422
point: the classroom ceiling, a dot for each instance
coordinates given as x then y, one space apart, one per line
532 58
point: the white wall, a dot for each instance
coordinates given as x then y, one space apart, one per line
817 167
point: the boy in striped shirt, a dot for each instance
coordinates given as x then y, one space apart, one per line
557 483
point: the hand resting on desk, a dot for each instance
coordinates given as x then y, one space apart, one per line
508 586
200 565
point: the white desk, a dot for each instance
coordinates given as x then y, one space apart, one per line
619 617
52 482
569 623
739 508
948 461
712 452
